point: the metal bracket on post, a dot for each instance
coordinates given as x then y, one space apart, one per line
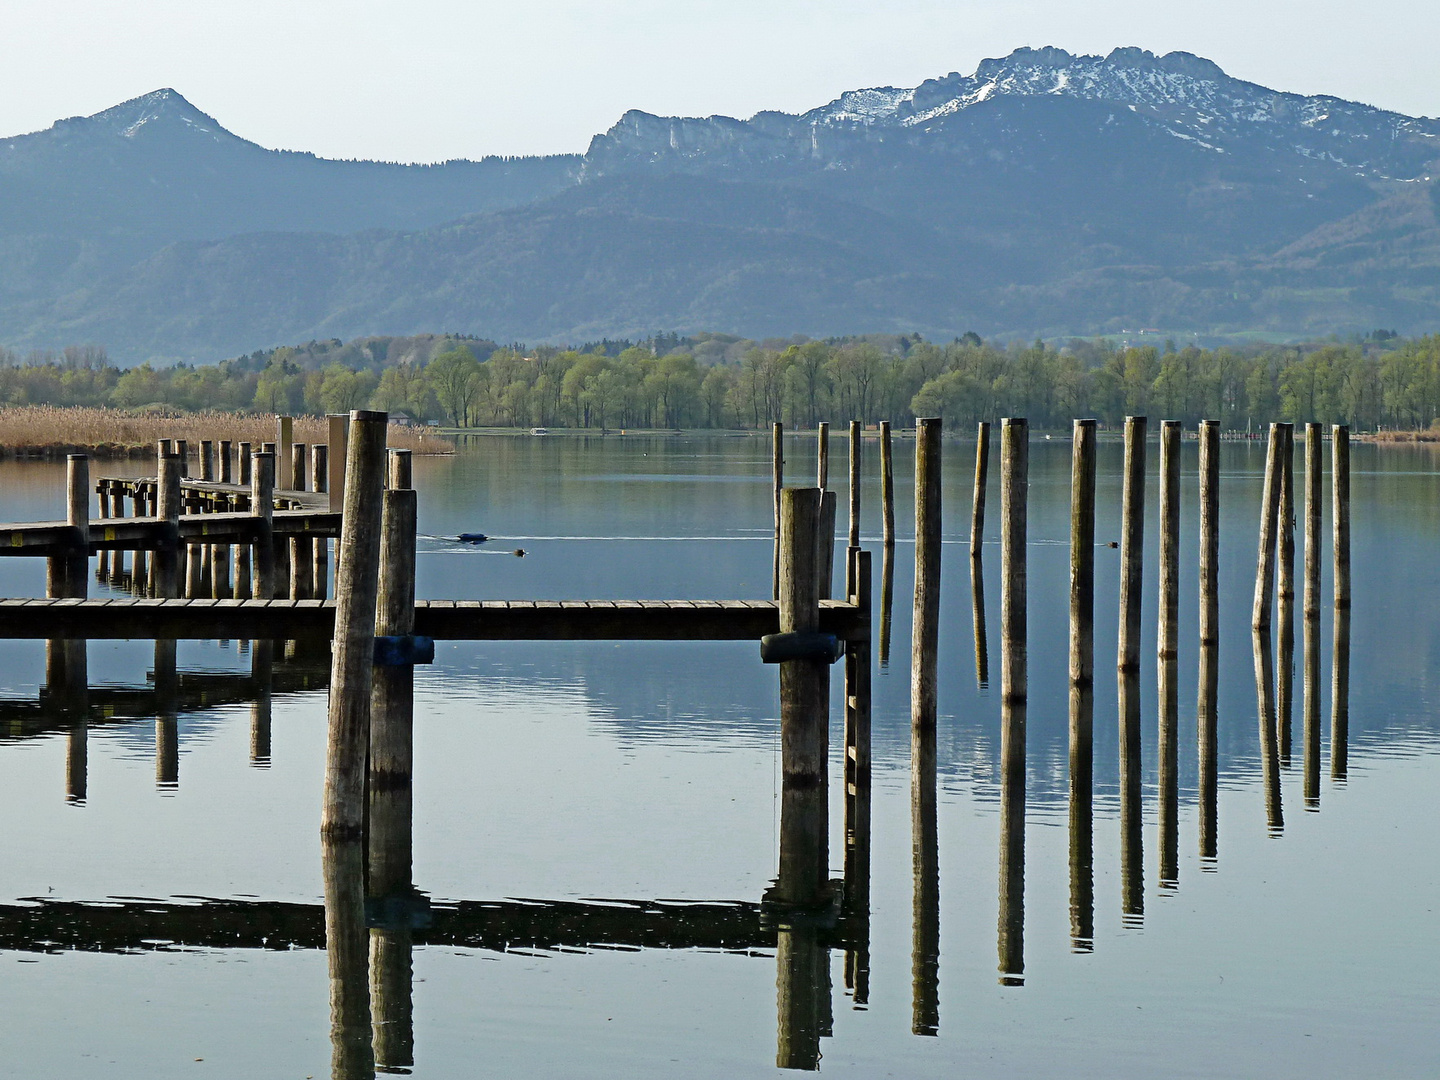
778 648
404 650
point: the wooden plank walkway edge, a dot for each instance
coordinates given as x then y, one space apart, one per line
445 620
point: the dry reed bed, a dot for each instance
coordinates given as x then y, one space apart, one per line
53 431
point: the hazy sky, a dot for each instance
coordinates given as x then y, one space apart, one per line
425 80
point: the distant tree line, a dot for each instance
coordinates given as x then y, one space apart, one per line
721 381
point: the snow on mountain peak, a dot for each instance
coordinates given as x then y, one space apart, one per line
160 110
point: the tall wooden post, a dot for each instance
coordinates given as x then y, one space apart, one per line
356 589
262 508
1340 490
925 635
299 465
392 689
982 469
1169 635
826 541
1132 543
1082 682
207 460
852 543
285 438
166 561
1269 513
1014 693
1285 589
777 482
1314 480
339 454
822 467
246 460
227 461
320 468
182 448
887 487
1209 532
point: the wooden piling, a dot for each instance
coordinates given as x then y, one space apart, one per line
1169 633
284 463
1269 514
77 516
319 468
356 589
1082 560
1168 817
925 633
1285 597
803 706
826 541
207 460
887 600
392 688
887 487
822 466
1132 543
1314 479
1011 924
982 471
1310 732
227 461
182 450
978 627
299 462
262 506
166 560
339 455
777 481
1014 484
1209 532
1340 512
852 537
246 462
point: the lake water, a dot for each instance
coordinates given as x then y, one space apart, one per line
551 776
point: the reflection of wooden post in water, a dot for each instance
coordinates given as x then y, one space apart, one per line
802 982
1311 733
1207 736
1269 513
352 1056
1168 648
392 707
977 609
1082 680
887 487
1340 696
1014 690
925 910
925 632
982 472
857 785
356 591
1285 597
887 600
262 681
1132 543
777 482
1269 747
66 672
1132 839
167 732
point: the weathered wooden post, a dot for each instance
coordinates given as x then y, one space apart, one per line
1310 735
299 465
77 516
392 688
182 448
262 685
262 508
1132 543
207 460
925 635
227 461
356 589
982 472
1285 589
804 683
1269 513
887 487
1209 532
1314 479
1014 694
822 465
320 468
246 460
166 561
339 455
1340 490
1168 650
285 439
852 540
887 600
978 628
777 481
1082 683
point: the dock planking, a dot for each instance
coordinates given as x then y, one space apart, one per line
145 533
444 620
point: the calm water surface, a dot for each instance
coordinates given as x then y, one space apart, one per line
565 772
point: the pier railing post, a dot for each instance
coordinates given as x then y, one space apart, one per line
356 589
262 508
926 632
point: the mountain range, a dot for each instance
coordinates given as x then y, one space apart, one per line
1045 193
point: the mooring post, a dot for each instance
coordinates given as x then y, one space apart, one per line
392 689
822 466
356 589
1132 543
1269 512
804 695
262 508
77 516
826 541
299 462
246 460
1340 490
320 468
227 462
167 554
302 548
1014 693
1169 635
339 454
925 635
1285 589
182 448
852 543
207 460
1082 682
887 487
1209 532
285 438
1314 479
777 481
887 600
982 473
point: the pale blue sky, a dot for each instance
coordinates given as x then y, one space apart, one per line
425 80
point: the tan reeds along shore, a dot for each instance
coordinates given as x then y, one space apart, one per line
53 431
